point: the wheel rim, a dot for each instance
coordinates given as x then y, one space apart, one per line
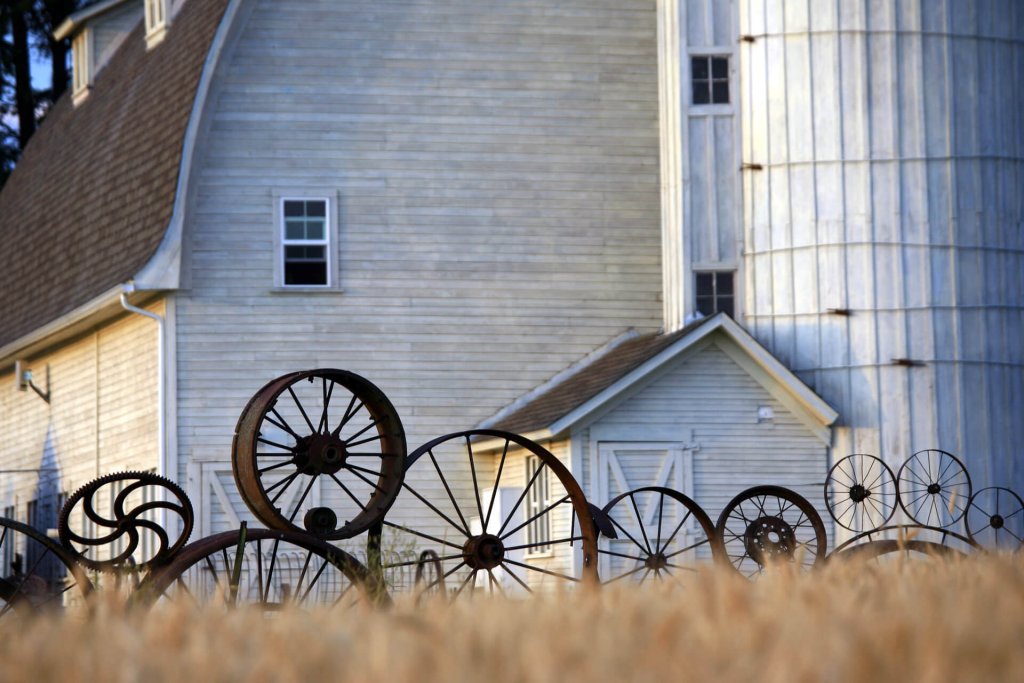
768 524
995 519
934 488
48 576
907 549
860 493
662 535
488 537
327 426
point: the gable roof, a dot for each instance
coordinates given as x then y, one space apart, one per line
89 202
561 404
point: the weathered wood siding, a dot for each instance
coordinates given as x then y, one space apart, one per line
495 171
890 136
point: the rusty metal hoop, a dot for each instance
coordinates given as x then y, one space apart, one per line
655 551
357 446
995 519
268 568
910 548
45 573
766 524
934 488
860 493
135 499
486 545
907 533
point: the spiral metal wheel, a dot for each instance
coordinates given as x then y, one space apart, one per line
770 524
511 522
265 568
38 573
860 493
934 488
995 519
660 534
328 426
120 521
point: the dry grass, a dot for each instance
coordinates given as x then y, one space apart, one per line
927 621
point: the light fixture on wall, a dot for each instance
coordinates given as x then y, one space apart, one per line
23 377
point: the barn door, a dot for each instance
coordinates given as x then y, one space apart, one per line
219 506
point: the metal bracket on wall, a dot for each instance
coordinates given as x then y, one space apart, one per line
24 380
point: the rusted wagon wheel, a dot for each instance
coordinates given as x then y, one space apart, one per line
916 540
659 533
771 524
38 573
328 426
123 521
512 522
860 493
892 549
265 568
995 519
934 488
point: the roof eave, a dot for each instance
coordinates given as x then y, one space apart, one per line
77 20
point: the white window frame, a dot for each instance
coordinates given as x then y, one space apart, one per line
711 109
158 17
81 65
716 271
328 243
538 497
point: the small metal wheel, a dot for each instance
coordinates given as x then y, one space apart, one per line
268 569
37 573
120 521
995 519
770 524
860 493
660 533
510 520
319 426
934 488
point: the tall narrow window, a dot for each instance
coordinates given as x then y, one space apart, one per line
709 77
715 292
81 65
538 531
305 243
156 21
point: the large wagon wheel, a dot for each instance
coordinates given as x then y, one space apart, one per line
860 493
995 519
328 426
934 488
124 521
771 524
912 541
660 533
504 524
40 574
269 569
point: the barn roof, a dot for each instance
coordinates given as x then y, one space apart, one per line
607 375
88 204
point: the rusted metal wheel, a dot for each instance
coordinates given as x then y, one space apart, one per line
860 493
508 522
660 534
265 568
891 549
120 521
934 488
771 524
430 574
995 519
38 574
327 432
916 539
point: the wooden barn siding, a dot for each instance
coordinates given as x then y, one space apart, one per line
496 170
708 393
890 134
102 415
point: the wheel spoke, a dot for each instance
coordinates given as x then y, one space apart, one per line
284 483
462 530
422 535
281 423
279 465
322 425
344 488
451 496
537 516
497 480
675 531
616 554
511 573
290 449
362 431
545 543
539 569
476 487
270 572
522 496
349 414
628 535
302 499
302 410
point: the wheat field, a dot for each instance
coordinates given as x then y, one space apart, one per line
935 620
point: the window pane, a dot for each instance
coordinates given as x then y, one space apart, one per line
314 230
305 273
721 93
719 67
705 284
699 68
316 208
724 283
706 305
293 208
700 93
294 230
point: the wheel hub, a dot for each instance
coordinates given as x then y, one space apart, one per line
858 493
934 488
656 562
320 454
768 538
996 521
483 552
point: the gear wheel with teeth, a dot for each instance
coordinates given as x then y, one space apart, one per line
122 521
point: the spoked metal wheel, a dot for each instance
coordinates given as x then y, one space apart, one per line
860 493
934 488
319 433
903 542
771 524
995 519
502 514
38 573
268 569
661 534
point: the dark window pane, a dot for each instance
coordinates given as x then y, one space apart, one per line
316 208
305 273
700 93
724 283
719 67
293 208
721 93
314 230
725 305
706 305
294 230
705 284
699 68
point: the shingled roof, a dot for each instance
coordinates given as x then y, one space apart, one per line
91 198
